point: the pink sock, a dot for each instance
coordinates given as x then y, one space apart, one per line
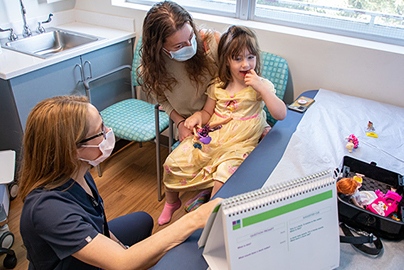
168 211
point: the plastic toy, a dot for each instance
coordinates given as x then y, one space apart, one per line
384 204
370 127
202 134
350 187
358 178
395 217
371 134
352 142
370 130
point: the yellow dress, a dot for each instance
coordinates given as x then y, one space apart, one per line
190 168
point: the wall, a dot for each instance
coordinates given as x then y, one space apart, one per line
350 66
37 10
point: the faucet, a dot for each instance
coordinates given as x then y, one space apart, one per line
26 31
41 29
12 36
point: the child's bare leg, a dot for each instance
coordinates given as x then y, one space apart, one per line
172 204
171 196
216 188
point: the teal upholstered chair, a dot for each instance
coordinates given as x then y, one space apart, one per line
134 119
275 69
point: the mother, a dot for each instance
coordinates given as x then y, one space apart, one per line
178 61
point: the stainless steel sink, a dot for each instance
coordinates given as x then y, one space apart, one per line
50 43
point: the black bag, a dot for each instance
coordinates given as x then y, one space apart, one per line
353 218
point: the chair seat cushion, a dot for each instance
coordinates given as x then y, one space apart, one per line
134 120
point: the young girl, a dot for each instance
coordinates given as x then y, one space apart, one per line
239 93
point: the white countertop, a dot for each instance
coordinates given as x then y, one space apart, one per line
13 64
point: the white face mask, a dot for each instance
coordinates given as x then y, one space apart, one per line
106 147
185 53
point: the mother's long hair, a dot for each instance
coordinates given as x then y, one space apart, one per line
54 128
162 21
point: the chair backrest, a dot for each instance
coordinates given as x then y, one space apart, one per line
136 62
275 69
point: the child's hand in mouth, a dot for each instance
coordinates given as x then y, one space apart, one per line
244 72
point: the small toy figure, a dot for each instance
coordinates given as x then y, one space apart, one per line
352 142
370 130
349 146
350 187
395 217
202 134
370 127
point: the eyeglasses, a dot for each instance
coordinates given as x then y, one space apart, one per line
102 133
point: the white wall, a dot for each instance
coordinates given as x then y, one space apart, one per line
350 66
36 10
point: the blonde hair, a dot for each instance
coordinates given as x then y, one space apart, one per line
231 44
54 128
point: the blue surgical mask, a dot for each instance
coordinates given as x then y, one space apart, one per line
184 53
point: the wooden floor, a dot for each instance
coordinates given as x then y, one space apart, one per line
128 184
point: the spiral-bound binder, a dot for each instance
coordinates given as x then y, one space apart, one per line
291 225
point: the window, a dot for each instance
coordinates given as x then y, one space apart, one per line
378 20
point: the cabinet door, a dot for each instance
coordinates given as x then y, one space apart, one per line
55 80
113 88
10 128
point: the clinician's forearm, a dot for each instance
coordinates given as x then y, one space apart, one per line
105 253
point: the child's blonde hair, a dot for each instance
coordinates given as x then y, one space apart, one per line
231 44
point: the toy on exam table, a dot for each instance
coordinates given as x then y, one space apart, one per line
370 130
370 127
202 134
352 142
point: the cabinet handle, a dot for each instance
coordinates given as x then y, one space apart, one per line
89 68
81 73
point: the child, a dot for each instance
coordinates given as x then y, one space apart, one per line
239 94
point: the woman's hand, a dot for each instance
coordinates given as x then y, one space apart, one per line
201 215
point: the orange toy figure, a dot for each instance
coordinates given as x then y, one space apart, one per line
202 134
349 187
